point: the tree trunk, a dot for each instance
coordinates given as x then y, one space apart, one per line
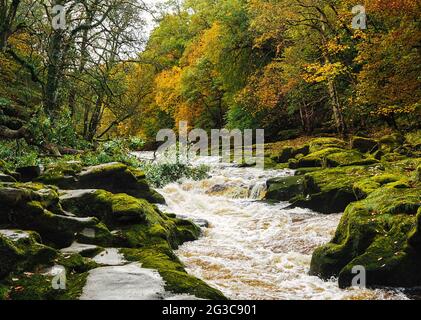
336 107
54 74
7 17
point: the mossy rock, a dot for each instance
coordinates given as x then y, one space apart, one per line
364 187
391 142
415 237
285 188
26 207
112 177
373 233
138 221
112 209
364 145
172 271
100 235
334 157
331 190
348 158
22 250
61 173
324 143
303 171
393 157
288 153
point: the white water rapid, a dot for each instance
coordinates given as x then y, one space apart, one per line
252 249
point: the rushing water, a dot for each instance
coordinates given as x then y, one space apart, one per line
252 249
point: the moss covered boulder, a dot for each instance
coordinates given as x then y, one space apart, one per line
22 250
334 157
36 207
331 190
379 234
324 143
288 153
112 177
364 145
285 188
113 210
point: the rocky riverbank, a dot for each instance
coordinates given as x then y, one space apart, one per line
65 217
378 185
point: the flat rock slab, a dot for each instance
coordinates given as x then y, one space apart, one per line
129 282
82 249
15 235
75 194
110 257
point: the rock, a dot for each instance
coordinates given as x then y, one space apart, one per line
288 153
334 157
6 178
202 223
348 158
285 188
31 207
85 250
324 143
374 233
112 177
113 210
364 187
364 144
318 158
29 173
22 250
331 190
390 142
110 257
100 235
414 239
393 157
130 282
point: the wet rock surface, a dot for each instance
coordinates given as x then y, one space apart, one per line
376 183
71 219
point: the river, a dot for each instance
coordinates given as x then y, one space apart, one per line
252 249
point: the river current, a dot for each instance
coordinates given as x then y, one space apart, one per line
252 249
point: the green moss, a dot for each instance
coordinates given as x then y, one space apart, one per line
4 292
348 158
39 287
181 282
331 190
172 271
56 172
364 144
391 142
102 236
374 233
324 143
318 158
288 153
112 209
285 188
364 187
75 263
393 157
23 251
